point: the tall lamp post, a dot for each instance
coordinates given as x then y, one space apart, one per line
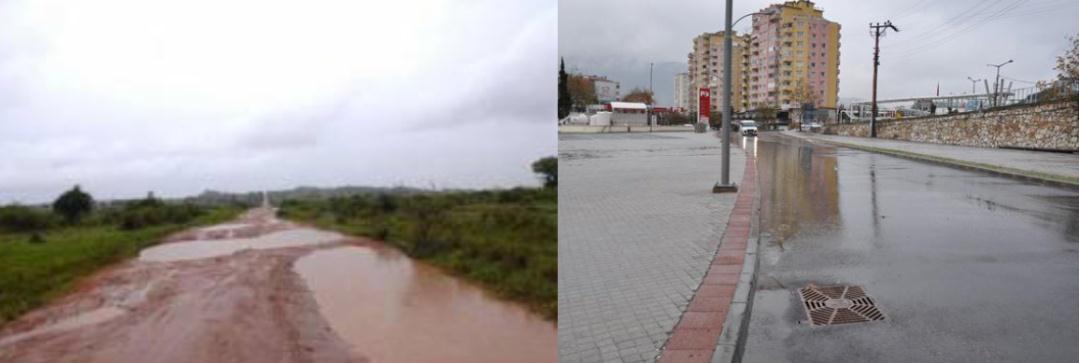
725 185
973 83
651 97
996 82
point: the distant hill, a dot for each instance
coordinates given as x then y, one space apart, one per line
299 193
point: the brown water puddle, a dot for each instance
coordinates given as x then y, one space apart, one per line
391 309
190 250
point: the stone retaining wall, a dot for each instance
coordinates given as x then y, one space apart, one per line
1052 126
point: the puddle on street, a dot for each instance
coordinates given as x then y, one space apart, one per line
391 309
212 248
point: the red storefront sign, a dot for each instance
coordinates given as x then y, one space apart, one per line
704 105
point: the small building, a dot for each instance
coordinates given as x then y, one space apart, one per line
629 113
606 90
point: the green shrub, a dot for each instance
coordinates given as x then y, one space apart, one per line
17 218
73 205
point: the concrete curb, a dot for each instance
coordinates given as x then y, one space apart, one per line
732 341
710 327
1026 175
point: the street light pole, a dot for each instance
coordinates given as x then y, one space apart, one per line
996 82
973 83
725 185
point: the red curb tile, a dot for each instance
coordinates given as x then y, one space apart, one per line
686 356
726 269
733 240
710 304
737 235
719 279
701 339
717 290
701 319
735 245
729 260
727 255
733 249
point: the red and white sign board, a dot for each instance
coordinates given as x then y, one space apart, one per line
704 105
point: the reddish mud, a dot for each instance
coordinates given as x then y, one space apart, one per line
189 301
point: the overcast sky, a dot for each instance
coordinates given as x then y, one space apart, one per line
179 96
939 41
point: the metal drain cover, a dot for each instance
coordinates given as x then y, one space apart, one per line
838 305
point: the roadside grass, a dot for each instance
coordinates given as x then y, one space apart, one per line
32 273
506 240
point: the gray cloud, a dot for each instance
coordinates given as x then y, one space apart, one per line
454 93
940 41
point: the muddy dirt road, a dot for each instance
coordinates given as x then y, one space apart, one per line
264 290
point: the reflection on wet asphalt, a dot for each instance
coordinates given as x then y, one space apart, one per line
966 266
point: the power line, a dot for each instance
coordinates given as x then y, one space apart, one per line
955 21
950 37
913 9
941 34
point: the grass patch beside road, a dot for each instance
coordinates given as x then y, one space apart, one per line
37 266
506 239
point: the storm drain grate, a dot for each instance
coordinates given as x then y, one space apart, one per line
832 305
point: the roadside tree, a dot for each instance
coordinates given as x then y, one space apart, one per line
639 95
1068 66
73 205
565 101
548 170
582 91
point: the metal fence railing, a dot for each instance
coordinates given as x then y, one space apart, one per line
1041 92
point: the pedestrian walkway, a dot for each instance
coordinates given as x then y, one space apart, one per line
1048 166
638 228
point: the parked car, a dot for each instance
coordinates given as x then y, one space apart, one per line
812 127
749 128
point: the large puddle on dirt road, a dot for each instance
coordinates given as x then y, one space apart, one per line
391 309
198 249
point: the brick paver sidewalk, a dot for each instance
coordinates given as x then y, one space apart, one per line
696 336
638 228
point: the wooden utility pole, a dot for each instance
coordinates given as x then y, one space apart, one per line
878 30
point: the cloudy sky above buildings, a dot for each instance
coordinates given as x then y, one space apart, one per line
939 41
128 96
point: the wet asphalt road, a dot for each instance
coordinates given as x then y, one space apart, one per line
966 266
